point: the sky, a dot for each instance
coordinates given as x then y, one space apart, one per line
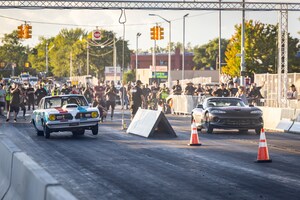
200 26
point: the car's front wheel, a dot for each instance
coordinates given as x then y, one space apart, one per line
257 131
95 130
209 128
46 131
38 132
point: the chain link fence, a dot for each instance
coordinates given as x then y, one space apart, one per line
273 98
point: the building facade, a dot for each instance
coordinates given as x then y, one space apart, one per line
145 60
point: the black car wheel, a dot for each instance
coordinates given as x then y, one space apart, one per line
78 132
209 128
257 131
46 131
38 133
95 130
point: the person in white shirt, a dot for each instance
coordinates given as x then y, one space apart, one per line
292 93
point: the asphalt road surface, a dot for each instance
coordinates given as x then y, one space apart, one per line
116 165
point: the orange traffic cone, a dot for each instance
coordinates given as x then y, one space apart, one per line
263 152
194 141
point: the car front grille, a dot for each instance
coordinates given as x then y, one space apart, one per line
239 122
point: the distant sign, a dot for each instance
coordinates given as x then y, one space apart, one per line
163 75
96 35
159 68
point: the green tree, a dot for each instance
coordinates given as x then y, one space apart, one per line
129 76
206 55
13 52
260 49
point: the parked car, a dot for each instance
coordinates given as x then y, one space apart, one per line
65 113
227 113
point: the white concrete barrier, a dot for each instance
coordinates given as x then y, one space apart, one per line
29 181
295 128
284 125
58 193
7 149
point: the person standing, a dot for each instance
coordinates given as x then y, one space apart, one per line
124 102
136 98
22 101
146 93
111 95
189 89
65 89
14 102
221 92
30 95
88 93
2 100
40 93
7 97
177 89
241 93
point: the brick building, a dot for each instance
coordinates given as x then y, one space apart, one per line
145 60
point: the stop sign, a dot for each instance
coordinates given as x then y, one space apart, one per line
96 35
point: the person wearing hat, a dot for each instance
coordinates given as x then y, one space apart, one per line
292 93
221 91
136 98
189 89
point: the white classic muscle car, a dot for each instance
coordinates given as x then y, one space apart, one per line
65 113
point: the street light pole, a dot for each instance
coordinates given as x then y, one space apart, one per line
242 81
136 54
220 37
87 59
183 47
169 56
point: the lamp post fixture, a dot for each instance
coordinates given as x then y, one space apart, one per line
136 54
169 57
183 47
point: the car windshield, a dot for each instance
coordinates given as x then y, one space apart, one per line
56 102
225 102
24 75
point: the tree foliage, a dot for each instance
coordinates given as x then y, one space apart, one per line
12 52
260 50
72 45
206 55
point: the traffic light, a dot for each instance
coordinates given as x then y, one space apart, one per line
27 64
27 31
153 32
20 31
160 33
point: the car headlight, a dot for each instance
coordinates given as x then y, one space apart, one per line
256 112
94 114
217 111
51 117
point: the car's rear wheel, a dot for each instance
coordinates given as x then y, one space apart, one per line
38 133
95 130
209 128
46 131
78 132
